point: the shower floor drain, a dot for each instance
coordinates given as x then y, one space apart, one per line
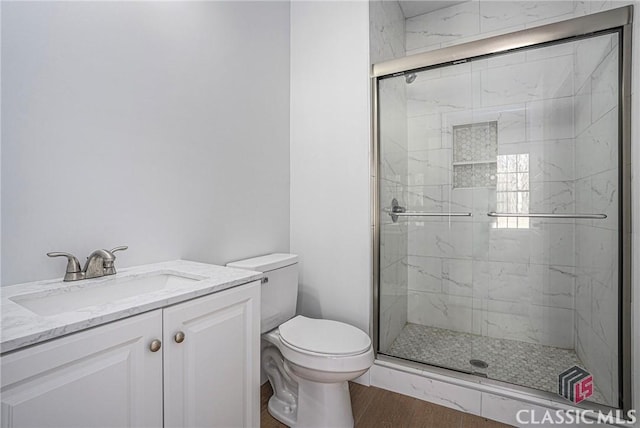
478 364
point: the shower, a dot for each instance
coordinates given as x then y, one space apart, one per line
501 210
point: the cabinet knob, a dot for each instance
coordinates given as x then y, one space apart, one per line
155 345
179 337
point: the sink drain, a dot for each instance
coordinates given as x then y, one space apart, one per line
478 364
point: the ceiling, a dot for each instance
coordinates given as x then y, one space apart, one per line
411 8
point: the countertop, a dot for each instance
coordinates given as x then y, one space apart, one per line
21 327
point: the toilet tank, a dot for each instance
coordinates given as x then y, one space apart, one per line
279 291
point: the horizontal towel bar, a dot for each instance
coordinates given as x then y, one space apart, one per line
548 215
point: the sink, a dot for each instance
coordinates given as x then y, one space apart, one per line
99 291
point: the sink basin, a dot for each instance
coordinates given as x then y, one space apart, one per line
100 291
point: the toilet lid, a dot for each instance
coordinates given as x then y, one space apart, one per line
324 336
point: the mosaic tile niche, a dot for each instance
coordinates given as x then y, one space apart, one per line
475 149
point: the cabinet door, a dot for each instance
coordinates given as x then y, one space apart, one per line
102 377
212 378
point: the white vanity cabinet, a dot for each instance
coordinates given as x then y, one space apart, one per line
102 377
108 376
212 377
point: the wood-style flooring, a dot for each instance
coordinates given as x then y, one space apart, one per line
374 407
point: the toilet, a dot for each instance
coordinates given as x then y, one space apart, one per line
307 361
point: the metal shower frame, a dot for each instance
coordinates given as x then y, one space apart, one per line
616 20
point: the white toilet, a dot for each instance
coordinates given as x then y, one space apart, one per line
308 361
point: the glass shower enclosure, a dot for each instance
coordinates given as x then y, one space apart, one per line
501 212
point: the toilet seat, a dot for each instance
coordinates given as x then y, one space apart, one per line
322 337
355 360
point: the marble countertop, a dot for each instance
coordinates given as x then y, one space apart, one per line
21 327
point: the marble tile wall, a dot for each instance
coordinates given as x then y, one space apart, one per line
480 19
596 170
387 42
386 31
471 274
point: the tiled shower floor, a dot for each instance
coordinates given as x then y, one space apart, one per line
521 363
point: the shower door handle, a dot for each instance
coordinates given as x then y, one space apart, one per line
430 214
396 208
400 211
548 215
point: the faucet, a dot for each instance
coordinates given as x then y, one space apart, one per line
99 263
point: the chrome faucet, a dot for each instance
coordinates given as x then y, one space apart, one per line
99 263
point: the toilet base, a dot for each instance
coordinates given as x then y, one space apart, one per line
324 405
282 411
320 405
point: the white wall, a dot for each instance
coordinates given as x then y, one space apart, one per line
160 125
330 202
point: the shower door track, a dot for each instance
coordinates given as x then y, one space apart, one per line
615 20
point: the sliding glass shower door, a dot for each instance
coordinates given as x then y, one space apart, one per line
499 215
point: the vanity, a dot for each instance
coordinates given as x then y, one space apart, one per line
173 344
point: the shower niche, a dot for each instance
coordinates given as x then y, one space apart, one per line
500 256
475 151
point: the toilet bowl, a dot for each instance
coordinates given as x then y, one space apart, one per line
307 361
315 359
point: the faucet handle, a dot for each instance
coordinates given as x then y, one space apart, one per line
109 268
74 272
121 248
